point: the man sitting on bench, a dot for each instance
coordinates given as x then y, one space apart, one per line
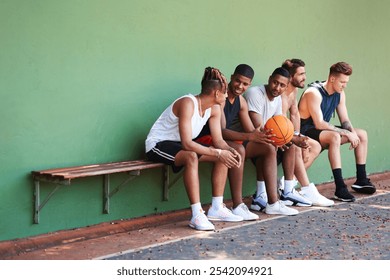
170 141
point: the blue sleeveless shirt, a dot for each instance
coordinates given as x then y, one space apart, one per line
329 104
231 115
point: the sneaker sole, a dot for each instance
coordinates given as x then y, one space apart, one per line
344 199
217 219
198 228
283 214
295 203
256 208
364 189
323 204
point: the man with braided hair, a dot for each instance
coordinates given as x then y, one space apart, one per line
170 141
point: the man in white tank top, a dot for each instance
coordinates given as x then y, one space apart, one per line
170 141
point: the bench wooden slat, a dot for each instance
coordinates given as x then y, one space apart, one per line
97 169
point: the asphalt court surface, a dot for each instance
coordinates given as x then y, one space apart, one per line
347 231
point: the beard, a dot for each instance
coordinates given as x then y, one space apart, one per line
298 84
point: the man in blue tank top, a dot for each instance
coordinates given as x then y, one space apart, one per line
316 107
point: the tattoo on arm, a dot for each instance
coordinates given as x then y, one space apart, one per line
342 131
347 125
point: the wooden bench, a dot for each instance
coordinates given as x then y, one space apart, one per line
64 176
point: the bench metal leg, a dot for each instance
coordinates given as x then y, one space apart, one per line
36 201
106 194
166 183
39 205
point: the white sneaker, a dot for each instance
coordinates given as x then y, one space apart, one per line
279 208
311 193
223 214
294 198
243 211
200 222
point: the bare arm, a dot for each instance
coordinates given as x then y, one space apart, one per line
249 133
184 110
290 104
343 114
228 155
313 103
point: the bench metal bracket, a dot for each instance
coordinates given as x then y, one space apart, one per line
38 205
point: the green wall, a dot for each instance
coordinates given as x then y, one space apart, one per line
82 82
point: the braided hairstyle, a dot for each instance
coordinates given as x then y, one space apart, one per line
213 79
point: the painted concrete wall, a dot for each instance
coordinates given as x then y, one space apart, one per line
82 81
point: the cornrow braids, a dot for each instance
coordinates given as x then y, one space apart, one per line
213 78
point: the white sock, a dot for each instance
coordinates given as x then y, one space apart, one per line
196 209
260 187
217 202
288 185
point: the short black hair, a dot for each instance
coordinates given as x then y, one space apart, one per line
282 72
244 70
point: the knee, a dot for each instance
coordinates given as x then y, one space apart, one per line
190 158
241 150
270 150
362 134
315 147
334 139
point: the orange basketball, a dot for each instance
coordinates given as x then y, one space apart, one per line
283 129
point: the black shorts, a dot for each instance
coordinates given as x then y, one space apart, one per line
313 133
165 152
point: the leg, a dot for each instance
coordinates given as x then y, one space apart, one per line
332 141
190 174
308 190
218 211
311 153
289 163
361 150
293 164
236 175
362 184
266 168
299 168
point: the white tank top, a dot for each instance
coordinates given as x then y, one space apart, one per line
167 125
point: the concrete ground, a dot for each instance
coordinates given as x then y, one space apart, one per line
347 231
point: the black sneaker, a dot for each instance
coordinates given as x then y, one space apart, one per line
343 194
364 186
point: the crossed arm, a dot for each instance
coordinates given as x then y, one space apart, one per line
314 107
184 110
